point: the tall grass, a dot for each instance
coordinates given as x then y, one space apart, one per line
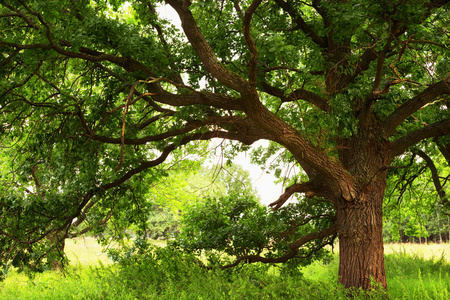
418 277
168 274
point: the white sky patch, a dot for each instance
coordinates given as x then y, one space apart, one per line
167 12
261 180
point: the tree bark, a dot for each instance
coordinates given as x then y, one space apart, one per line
361 238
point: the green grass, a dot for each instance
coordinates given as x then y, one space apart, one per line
418 275
165 274
86 251
427 251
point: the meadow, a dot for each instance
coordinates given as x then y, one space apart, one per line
413 272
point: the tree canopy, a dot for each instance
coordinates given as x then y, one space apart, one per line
96 97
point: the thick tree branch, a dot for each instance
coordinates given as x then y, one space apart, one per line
203 49
294 248
298 94
304 151
190 126
434 175
253 62
301 24
315 235
295 188
433 130
128 64
414 104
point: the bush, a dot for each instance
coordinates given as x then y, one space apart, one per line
225 228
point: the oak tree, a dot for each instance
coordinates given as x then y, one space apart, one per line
96 95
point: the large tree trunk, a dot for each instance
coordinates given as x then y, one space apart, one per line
361 238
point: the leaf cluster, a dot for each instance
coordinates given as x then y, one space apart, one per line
238 227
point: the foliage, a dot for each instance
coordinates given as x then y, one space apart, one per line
229 179
172 196
238 226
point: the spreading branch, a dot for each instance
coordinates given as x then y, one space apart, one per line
204 50
400 145
414 104
253 62
294 249
434 175
301 24
298 94
295 188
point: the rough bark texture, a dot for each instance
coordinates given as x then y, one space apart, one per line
361 252
361 239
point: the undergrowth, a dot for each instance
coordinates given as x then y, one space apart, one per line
164 273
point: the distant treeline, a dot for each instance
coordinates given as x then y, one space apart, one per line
433 228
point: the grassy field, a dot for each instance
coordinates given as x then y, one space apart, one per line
413 272
86 251
427 251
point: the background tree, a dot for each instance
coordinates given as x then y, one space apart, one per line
191 181
97 94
